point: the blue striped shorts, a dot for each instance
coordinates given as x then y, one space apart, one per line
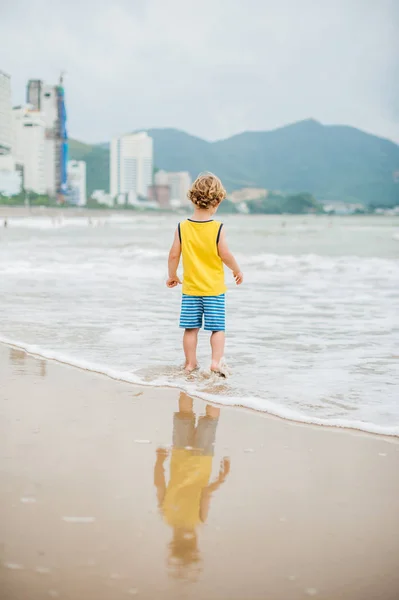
213 308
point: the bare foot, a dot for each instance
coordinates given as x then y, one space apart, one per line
220 369
218 373
190 368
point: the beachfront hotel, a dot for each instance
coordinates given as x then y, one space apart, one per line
131 164
77 182
49 101
28 147
5 114
10 178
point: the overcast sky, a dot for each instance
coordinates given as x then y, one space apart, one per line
212 67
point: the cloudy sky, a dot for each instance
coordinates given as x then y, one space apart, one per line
212 67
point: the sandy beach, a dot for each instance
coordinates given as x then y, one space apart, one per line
296 511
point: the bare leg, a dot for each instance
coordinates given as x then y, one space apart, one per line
190 338
217 345
212 412
185 403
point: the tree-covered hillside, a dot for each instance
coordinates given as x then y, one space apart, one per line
97 164
331 162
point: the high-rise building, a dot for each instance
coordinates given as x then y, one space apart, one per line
50 101
131 164
28 147
5 114
10 177
178 182
77 182
34 93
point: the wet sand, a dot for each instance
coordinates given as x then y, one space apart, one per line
296 511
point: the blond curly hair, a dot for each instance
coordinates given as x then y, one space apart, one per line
207 191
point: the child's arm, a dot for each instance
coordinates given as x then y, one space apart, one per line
228 258
173 262
208 491
159 475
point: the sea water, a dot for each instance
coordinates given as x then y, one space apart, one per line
312 334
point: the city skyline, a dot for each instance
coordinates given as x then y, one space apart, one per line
212 73
34 145
34 155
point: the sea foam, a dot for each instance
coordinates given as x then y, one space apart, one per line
254 403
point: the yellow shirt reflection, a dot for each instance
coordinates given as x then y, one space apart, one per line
189 475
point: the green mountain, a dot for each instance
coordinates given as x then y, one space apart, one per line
97 164
331 162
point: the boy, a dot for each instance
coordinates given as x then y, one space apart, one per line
184 503
202 242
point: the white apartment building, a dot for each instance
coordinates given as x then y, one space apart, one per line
5 114
179 183
28 147
77 182
131 164
49 108
10 177
44 98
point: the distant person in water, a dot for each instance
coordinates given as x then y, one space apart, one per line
202 242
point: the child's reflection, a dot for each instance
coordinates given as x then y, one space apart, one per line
184 502
18 358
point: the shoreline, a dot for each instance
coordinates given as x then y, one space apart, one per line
295 511
366 428
71 211
11 211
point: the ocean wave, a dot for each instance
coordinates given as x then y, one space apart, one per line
142 253
251 402
48 222
60 221
316 262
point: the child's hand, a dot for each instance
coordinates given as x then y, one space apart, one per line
224 469
162 454
173 282
239 277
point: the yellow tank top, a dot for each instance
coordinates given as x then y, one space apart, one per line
189 475
203 272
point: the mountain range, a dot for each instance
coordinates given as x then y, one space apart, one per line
332 162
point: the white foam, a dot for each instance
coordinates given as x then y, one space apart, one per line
43 570
78 519
254 403
287 264
47 222
12 566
